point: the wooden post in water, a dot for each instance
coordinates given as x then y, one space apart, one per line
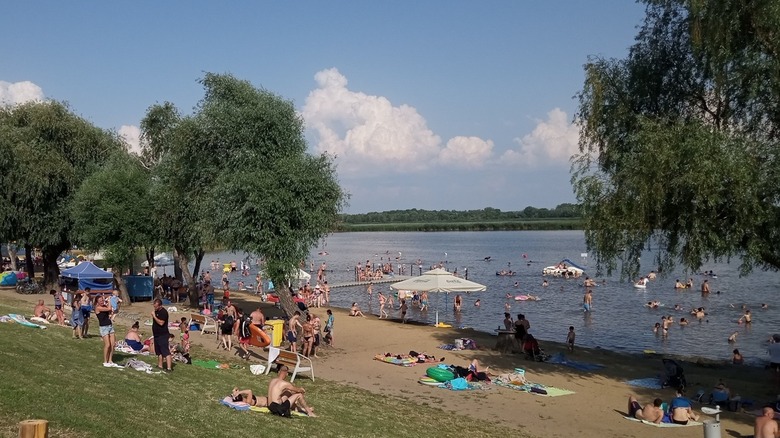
34 429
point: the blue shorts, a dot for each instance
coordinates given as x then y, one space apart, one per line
106 330
210 299
291 336
135 345
77 318
586 307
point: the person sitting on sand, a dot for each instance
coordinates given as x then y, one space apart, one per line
720 393
355 310
473 372
766 426
134 341
41 311
681 409
283 397
246 396
650 412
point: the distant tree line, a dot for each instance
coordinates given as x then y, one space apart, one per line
562 211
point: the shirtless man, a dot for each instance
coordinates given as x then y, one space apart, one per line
747 318
705 288
766 426
652 413
292 330
283 397
41 311
587 300
258 318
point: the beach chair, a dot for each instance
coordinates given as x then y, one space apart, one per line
294 361
206 323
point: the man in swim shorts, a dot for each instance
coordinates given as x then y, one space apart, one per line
587 300
284 397
649 412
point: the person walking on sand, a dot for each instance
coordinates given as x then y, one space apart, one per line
403 310
587 300
382 302
329 328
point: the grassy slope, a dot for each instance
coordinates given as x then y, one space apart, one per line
48 375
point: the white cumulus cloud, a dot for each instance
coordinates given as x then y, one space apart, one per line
368 134
553 140
19 92
132 136
466 152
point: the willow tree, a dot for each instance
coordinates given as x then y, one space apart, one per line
239 176
111 212
46 151
678 140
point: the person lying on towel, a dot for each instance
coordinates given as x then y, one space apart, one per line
246 396
650 412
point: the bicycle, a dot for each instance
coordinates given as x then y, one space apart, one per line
28 286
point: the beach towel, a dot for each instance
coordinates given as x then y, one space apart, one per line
20 319
239 406
265 410
403 360
648 382
536 389
561 359
650 423
210 364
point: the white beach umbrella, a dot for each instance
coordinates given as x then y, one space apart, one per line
438 280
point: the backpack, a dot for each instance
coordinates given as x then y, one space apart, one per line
244 328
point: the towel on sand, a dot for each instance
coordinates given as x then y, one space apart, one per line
536 389
648 382
650 423
239 406
561 359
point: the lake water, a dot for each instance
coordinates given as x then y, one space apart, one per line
619 320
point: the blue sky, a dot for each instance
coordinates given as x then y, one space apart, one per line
433 105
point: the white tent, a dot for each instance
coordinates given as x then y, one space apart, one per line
438 280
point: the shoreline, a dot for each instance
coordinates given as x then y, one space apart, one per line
357 340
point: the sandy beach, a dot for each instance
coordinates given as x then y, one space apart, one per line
596 409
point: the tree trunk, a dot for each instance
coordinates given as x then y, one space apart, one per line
192 290
122 287
182 262
51 272
12 255
28 261
285 298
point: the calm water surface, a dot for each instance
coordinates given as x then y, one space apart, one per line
619 320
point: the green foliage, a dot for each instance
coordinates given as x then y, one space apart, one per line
111 211
235 174
677 140
47 151
452 216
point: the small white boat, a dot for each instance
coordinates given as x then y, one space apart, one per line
563 268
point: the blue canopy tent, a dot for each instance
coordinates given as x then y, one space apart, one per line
90 276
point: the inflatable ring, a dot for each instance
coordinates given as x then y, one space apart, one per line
440 374
428 381
442 325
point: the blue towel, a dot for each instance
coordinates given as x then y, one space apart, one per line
560 359
648 382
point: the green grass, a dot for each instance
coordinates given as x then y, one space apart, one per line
47 375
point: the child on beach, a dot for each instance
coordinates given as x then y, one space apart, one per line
570 339
115 302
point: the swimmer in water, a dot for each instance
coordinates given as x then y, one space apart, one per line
477 303
733 337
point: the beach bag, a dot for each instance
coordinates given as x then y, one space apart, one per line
244 329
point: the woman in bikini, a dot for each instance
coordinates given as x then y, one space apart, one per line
246 396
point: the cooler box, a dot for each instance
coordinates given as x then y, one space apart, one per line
278 333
